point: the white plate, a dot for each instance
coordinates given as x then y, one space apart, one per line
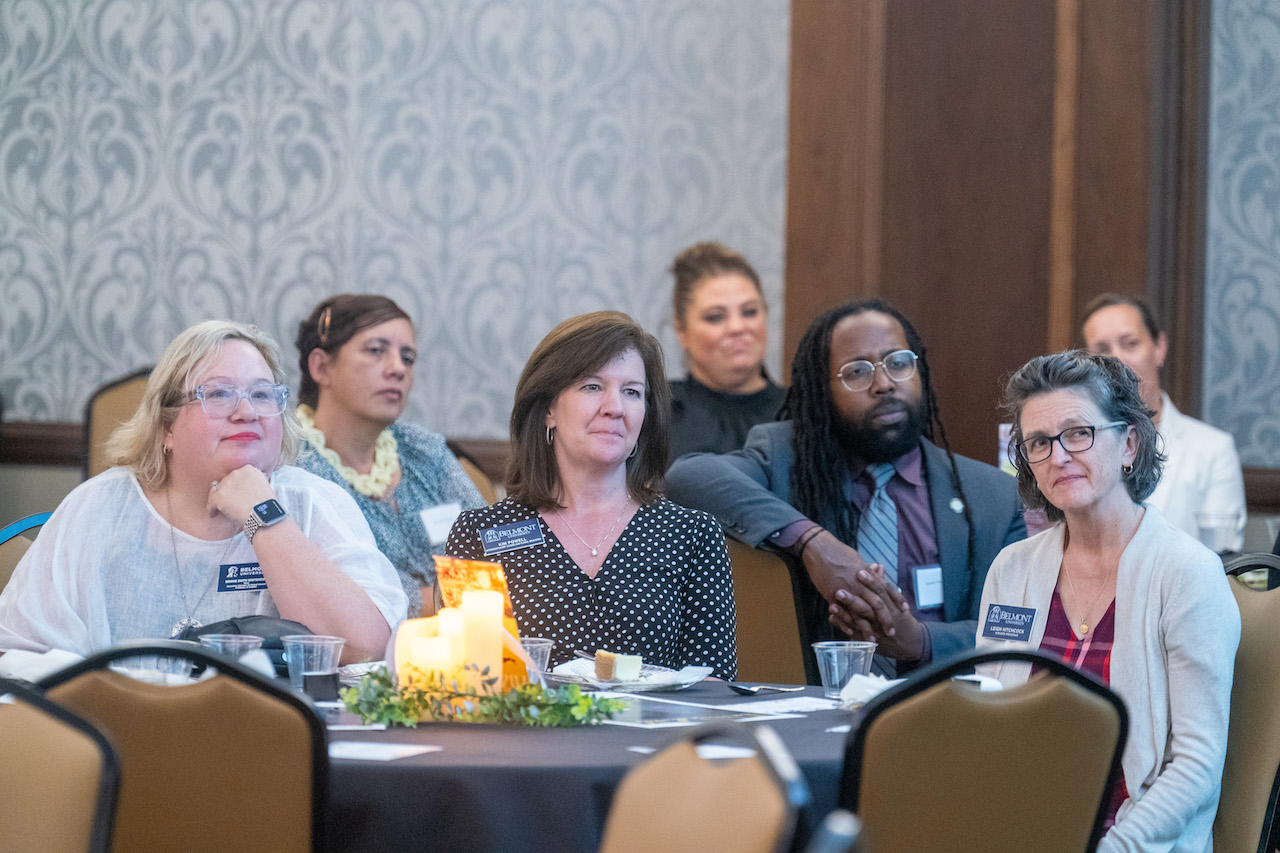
653 678
351 673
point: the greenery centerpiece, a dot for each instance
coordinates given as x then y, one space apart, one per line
433 697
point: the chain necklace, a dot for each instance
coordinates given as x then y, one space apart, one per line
190 620
1084 625
596 550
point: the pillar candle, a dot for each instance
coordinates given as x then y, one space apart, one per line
482 633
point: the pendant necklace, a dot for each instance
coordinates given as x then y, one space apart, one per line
188 621
595 552
1084 625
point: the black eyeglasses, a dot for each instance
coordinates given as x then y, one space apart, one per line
900 365
1076 439
220 401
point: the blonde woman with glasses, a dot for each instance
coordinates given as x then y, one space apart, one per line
204 519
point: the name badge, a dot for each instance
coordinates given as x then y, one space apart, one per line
509 537
240 577
928 584
439 520
1004 622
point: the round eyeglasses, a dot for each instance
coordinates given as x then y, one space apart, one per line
1076 439
219 401
899 365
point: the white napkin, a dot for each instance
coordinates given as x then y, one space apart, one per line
33 666
861 688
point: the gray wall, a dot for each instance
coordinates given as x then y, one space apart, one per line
1242 283
493 166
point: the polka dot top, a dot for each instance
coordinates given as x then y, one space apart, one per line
664 592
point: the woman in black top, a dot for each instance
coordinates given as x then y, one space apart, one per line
720 315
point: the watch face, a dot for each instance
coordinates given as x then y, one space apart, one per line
269 511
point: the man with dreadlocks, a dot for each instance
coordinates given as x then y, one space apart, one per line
894 533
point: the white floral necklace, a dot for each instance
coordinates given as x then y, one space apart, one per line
386 459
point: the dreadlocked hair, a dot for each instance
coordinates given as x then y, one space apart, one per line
818 467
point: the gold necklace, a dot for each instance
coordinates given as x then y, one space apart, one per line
595 552
386 458
1084 625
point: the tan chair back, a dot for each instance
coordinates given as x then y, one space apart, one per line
678 801
483 484
110 406
58 778
940 765
1249 777
215 765
768 634
11 552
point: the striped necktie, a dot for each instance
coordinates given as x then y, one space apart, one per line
878 526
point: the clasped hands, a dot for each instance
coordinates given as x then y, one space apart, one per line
862 602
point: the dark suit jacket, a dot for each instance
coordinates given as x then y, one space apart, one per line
749 491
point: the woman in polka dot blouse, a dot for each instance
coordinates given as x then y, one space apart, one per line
595 556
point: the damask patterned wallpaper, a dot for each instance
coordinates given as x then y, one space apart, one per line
493 165
1242 283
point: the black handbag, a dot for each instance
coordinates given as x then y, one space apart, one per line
269 628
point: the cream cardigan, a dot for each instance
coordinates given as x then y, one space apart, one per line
1177 628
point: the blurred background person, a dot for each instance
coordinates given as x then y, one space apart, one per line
1202 469
1120 593
595 557
720 319
203 520
357 354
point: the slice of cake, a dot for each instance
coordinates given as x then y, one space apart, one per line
616 667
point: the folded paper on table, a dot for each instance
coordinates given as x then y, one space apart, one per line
861 689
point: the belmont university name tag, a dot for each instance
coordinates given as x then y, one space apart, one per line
240 577
1005 622
509 537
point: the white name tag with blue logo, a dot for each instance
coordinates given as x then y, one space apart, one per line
1004 622
509 537
928 583
240 577
439 519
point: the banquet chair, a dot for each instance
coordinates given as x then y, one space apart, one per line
767 632
483 484
679 801
937 764
59 777
108 407
1246 819
232 762
13 544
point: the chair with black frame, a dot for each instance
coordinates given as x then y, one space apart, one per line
679 801
109 406
231 762
768 633
937 764
1246 819
13 544
59 777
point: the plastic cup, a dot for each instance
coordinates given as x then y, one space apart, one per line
1218 530
313 664
538 648
838 660
233 646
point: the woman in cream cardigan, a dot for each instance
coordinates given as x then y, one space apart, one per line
1115 590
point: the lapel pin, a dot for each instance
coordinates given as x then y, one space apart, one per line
957 505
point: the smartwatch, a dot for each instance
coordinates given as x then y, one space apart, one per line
264 514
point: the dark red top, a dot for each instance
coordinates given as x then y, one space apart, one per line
1091 654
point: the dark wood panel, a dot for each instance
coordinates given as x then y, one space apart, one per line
833 165
1262 490
967 182
26 443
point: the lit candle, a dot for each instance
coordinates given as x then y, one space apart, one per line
451 626
482 633
432 655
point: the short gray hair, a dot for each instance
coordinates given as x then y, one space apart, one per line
1113 388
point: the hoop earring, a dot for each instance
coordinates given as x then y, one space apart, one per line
634 448
551 435
1127 469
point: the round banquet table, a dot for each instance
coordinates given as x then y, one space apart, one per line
492 788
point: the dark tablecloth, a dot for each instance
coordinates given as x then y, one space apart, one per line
500 789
